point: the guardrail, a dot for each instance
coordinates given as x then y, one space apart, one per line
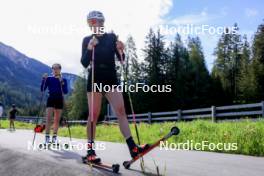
28 119
32 119
213 112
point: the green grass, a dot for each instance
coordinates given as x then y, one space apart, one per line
249 135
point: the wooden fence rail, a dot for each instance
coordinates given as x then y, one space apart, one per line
213 112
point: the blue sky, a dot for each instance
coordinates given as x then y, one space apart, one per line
248 15
52 32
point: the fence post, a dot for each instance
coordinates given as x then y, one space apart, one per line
179 114
149 117
262 108
213 113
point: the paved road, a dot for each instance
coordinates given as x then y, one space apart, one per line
17 160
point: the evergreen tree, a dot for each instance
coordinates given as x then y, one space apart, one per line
200 83
227 65
245 83
258 63
77 103
178 75
153 69
133 69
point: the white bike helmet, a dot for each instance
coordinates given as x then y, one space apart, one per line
95 15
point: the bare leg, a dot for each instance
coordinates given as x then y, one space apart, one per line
13 124
96 111
57 116
48 119
117 102
10 122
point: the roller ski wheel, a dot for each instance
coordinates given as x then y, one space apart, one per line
56 145
175 130
44 146
115 168
67 146
126 164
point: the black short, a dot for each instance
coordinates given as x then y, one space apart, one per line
103 77
101 85
56 103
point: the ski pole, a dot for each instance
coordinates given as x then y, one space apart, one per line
92 95
40 107
130 102
131 105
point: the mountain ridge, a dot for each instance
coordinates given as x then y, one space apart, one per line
21 75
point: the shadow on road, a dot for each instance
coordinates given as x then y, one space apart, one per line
64 154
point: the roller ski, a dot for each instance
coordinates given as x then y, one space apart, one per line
53 146
46 145
92 160
141 151
113 168
56 144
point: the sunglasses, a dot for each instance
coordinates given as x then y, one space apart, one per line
55 68
95 21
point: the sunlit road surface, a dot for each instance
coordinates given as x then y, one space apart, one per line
17 158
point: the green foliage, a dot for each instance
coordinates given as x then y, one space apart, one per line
26 101
227 65
201 81
239 68
249 135
258 62
77 103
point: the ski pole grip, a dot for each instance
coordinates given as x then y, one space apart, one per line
45 76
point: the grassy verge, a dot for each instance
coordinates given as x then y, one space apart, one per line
248 135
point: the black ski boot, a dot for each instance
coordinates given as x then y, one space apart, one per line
91 156
47 143
134 149
54 141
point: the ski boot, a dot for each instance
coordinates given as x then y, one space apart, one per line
137 150
46 144
91 156
134 149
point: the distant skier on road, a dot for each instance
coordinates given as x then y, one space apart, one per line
12 117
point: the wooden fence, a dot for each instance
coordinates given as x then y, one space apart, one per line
214 112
